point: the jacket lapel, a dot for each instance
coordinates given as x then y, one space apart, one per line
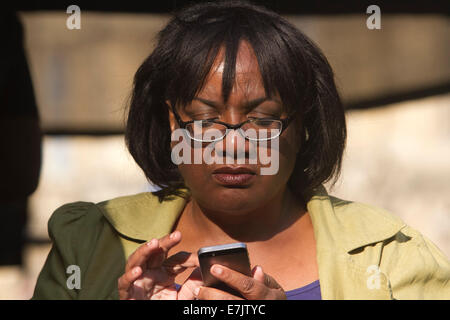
142 217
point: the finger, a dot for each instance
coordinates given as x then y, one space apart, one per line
206 293
141 255
188 289
164 245
126 280
247 286
180 261
169 241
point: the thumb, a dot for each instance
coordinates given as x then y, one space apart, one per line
258 274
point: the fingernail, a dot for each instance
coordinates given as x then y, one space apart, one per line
136 270
177 268
172 235
196 291
217 270
150 242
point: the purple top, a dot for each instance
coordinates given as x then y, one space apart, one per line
309 292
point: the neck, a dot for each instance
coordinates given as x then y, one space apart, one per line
260 224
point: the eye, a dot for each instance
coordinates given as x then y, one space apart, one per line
199 112
266 114
203 115
263 122
207 124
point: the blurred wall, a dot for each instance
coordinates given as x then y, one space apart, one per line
83 77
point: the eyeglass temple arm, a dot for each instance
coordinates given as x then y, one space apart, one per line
181 123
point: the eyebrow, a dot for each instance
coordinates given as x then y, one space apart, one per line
248 105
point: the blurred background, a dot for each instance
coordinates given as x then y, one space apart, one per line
394 81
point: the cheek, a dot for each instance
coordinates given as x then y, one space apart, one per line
192 174
286 162
288 151
282 154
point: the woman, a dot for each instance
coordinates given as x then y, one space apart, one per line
236 78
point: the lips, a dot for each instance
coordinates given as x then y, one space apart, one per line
234 176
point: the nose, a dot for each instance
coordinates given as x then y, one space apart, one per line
234 145
235 139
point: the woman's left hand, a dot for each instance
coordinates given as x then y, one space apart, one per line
258 287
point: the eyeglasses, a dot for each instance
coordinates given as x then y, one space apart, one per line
254 129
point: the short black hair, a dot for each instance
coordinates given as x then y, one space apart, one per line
290 65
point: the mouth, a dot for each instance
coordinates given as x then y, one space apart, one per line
234 176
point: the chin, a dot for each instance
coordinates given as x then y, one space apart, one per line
235 201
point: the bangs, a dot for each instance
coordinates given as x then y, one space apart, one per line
281 62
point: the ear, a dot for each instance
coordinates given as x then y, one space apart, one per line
172 120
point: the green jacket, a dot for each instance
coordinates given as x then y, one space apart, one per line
362 252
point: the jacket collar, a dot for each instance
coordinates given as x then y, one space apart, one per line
337 224
142 217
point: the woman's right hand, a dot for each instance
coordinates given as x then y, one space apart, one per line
149 274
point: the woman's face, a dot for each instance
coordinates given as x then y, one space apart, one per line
219 187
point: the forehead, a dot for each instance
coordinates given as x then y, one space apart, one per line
247 79
246 61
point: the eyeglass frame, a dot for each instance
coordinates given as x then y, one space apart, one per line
284 124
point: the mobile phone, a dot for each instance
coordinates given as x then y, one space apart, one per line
232 255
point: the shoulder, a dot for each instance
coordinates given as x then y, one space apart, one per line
139 216
360 212
368 221
79 212
72 217
367 217
349 225
415 266
76 219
